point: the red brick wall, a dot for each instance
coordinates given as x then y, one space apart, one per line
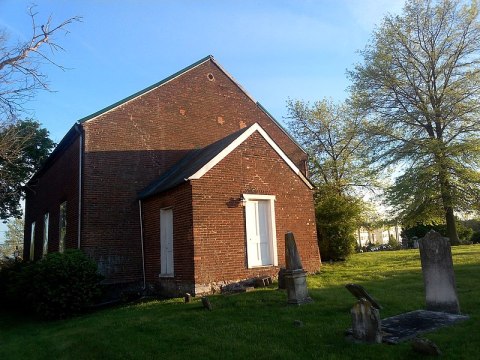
58 184
219 219
179 199
131 145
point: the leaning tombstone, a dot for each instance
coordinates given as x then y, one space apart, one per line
438 275
366 323
359 292
295 276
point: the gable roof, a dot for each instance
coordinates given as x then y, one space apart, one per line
76 129
199 161
177 74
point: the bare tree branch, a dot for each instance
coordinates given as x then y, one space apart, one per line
20 73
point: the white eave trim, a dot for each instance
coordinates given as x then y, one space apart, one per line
239 140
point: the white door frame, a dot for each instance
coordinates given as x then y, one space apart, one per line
250 226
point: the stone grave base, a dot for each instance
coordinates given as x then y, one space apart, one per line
406 326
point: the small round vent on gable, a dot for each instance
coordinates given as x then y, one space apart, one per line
210 77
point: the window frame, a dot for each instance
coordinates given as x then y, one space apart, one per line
46 224
163 246
32 241
62 226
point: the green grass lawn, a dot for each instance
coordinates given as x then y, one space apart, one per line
259 324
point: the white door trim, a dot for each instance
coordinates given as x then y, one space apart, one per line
272 233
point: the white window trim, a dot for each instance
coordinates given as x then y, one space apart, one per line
61 242
273 229
172 274
32 241
248 197
46 224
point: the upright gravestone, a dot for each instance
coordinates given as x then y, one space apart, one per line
366 323
292 257
295 276
438 275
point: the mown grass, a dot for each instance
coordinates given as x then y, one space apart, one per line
259 324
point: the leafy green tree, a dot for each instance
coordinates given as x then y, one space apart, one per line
331 135
13 238
20 162
420 82
420 230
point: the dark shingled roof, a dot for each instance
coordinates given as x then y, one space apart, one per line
188 165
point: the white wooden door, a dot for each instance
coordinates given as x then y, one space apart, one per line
258 233
166 242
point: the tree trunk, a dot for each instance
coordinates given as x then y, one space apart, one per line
446 193
451 226
447 198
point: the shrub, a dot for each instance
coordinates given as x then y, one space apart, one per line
10 281
394 243
476 237
57 286
64 284
336 224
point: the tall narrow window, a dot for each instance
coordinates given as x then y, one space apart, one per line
63 227
32 242
166 242
46 220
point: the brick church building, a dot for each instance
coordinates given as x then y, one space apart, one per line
187 183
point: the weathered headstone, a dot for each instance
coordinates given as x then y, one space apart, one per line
366 323
438 275
295 276
188 297
292 257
